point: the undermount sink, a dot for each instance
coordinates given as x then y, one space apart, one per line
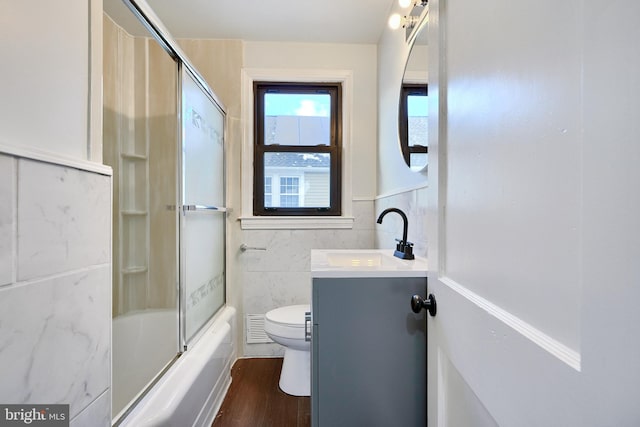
364 263
363 259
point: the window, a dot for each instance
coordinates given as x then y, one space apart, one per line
297 149
413 124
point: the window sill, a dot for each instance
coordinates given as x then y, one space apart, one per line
296 222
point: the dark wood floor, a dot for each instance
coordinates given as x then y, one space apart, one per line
255 400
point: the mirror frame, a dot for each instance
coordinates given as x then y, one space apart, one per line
411 78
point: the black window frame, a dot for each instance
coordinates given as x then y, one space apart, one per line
334 149
403 119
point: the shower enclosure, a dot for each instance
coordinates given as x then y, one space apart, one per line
163 135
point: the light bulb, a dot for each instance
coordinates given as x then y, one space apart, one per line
404 3
394 21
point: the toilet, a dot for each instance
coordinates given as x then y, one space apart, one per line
286 326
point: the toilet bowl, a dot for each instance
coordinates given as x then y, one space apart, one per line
286 326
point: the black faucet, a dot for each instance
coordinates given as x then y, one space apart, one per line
404 249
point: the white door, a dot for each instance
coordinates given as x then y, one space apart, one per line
534 220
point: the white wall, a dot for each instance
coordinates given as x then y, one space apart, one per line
55 255
45 68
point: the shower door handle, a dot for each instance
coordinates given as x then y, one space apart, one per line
186 208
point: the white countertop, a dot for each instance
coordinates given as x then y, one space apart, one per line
354 263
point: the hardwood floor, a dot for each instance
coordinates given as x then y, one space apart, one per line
255 400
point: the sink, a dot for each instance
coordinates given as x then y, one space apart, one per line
355 259
364 263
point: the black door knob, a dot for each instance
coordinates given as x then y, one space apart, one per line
418 303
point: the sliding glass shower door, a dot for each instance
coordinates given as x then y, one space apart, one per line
140 132
203 200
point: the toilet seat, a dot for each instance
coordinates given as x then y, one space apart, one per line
286 322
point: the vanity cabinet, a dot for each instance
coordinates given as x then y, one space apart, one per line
368 354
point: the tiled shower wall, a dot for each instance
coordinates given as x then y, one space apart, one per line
55 288
139 123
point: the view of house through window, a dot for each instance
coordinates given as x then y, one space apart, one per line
297 149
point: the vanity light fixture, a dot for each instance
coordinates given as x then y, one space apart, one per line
407 21
396 21
410 20
414 3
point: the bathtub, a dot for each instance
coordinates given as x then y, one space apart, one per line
191 391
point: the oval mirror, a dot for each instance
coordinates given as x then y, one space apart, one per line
413 111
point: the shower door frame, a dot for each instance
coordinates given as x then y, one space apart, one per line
183 340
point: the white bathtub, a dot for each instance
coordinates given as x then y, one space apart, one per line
191 391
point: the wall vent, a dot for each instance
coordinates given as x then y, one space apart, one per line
255 329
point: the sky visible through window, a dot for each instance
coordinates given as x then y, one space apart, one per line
281 104
417 105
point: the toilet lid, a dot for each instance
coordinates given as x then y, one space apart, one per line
291 315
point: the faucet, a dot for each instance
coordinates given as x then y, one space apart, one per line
404 249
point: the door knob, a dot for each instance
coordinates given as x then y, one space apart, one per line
418 303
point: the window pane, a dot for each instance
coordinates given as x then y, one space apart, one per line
301 179
417 112
267 191
289 201
297 119
418 160
289 185
289 188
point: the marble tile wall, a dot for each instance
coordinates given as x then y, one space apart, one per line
280 275
414 204
59 225
7 220
55 288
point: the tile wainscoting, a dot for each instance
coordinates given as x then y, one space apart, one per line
55 287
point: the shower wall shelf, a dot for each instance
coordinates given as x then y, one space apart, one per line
132 191
133 156
134 270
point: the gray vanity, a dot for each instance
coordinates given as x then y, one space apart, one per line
368 352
